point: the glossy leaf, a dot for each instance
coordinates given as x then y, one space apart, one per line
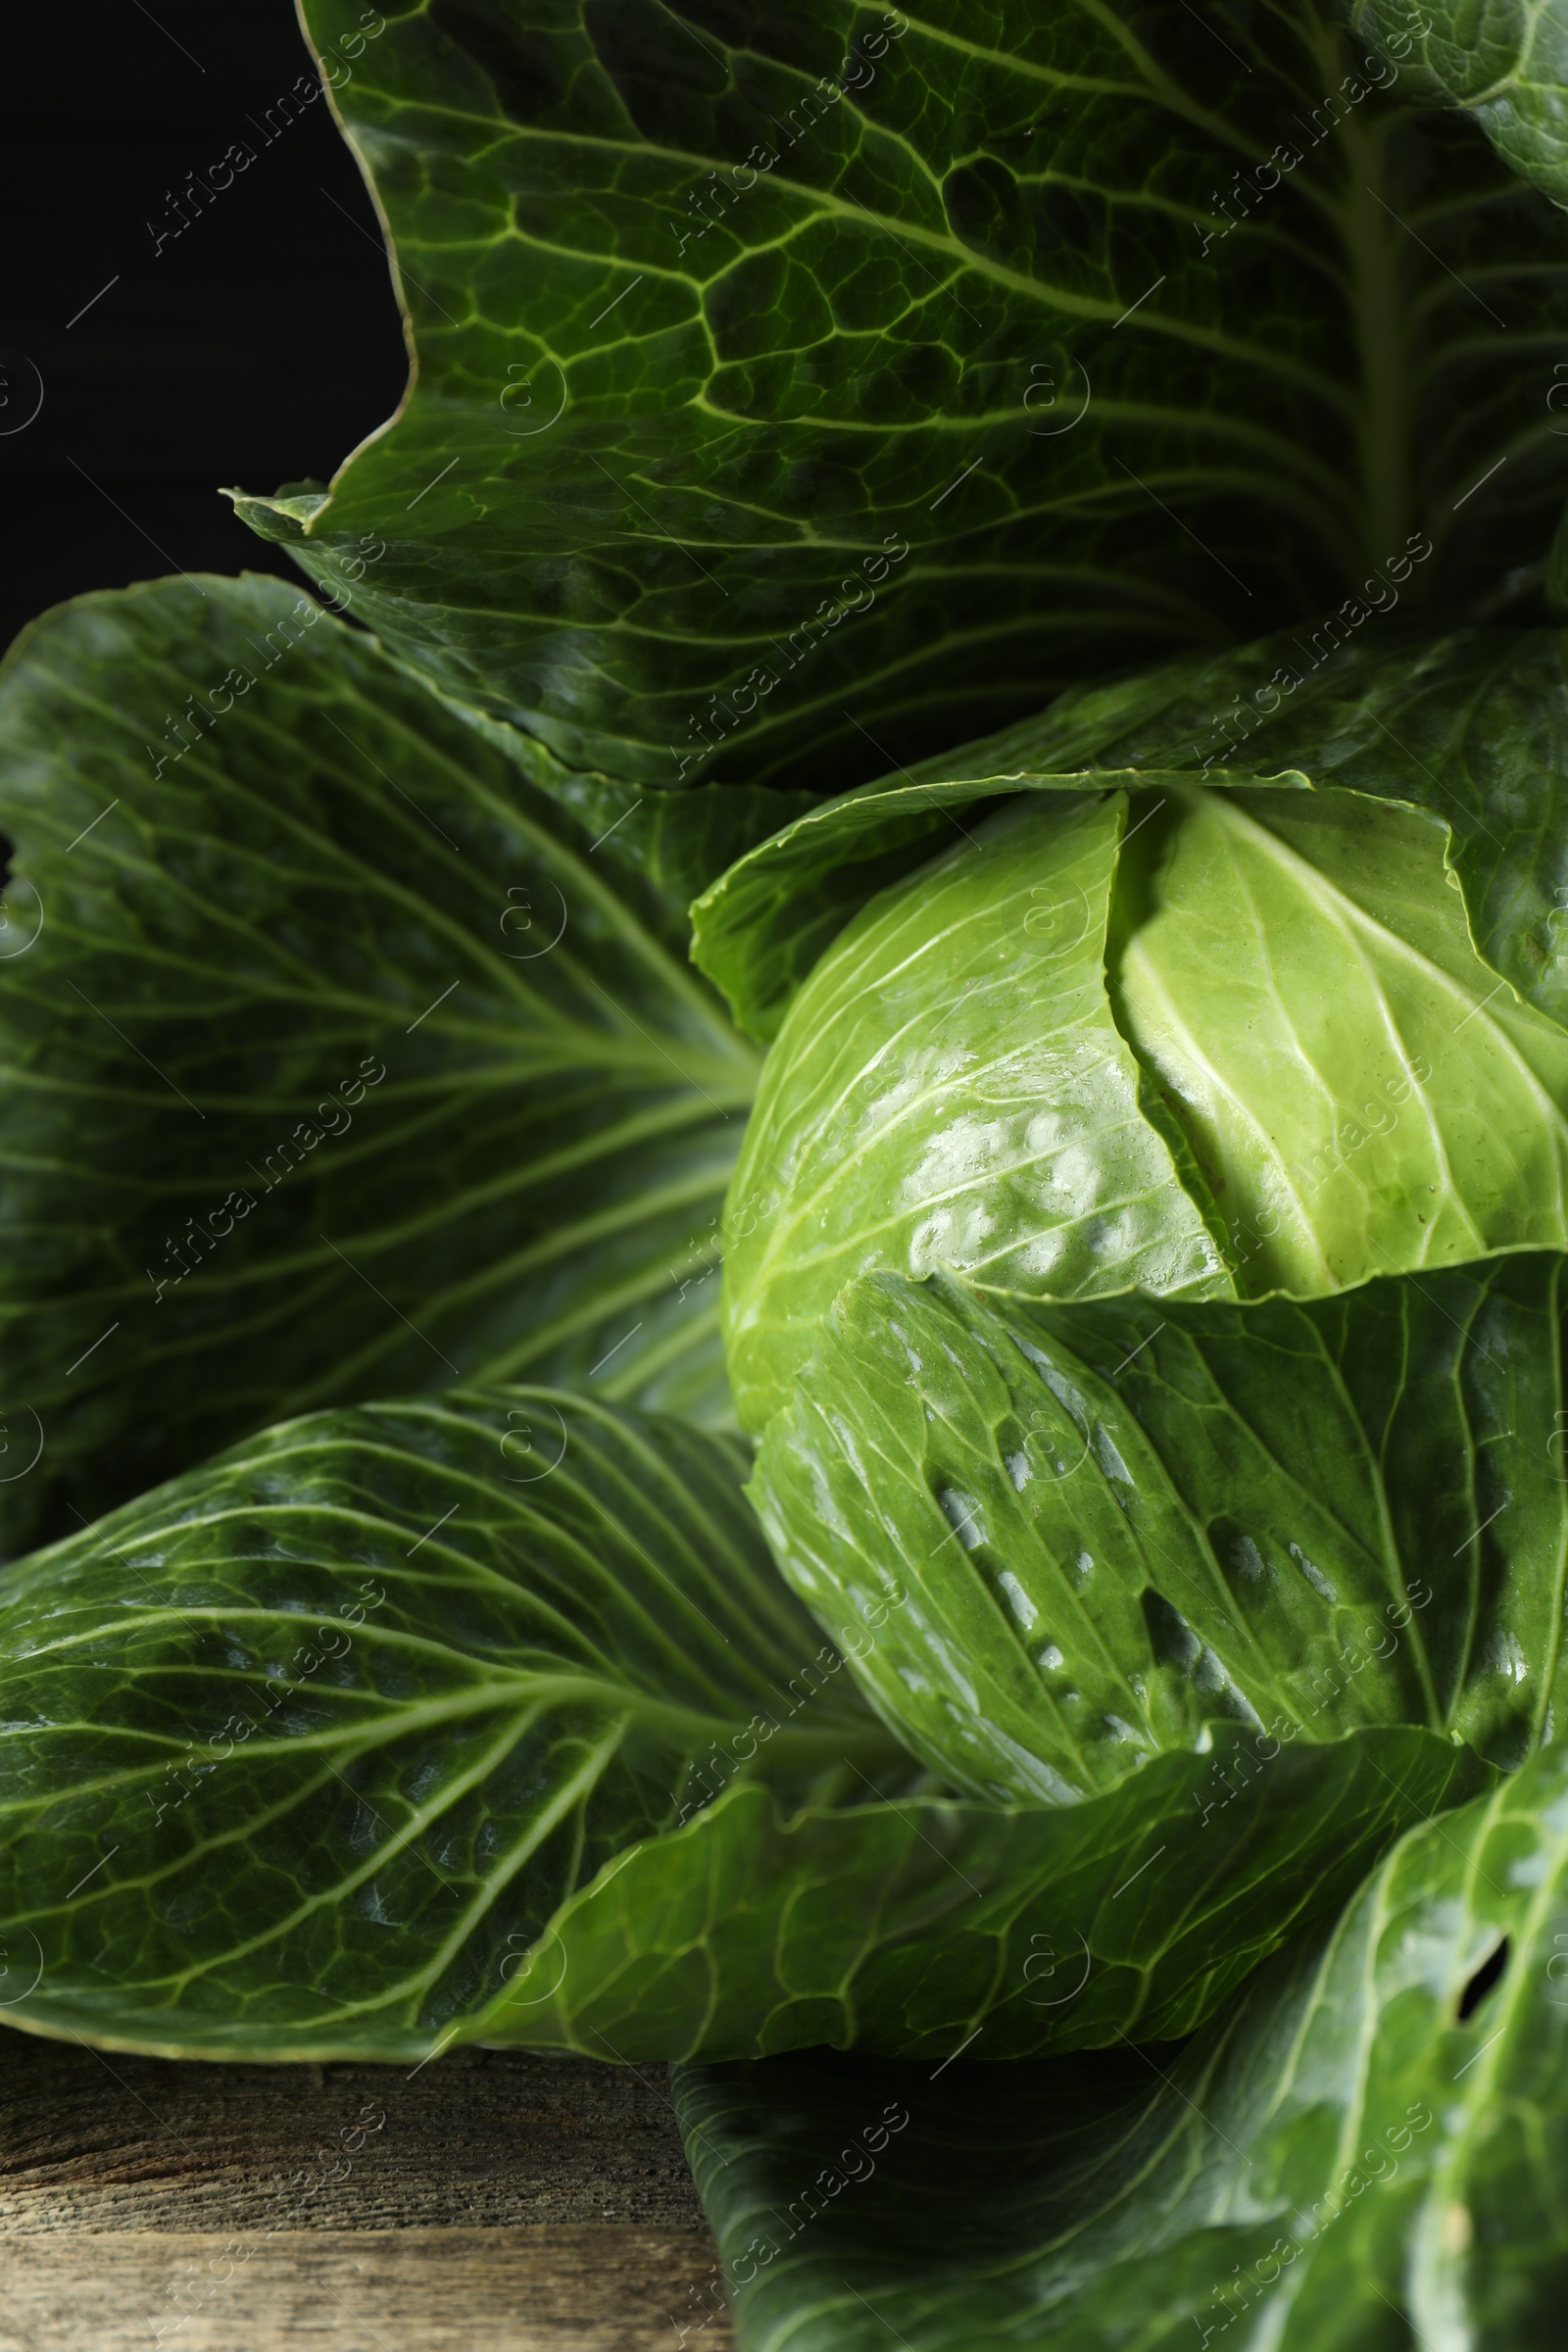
1360 1091
489 1717
299 1754
1506 62
914 1925
1365 2153
337 1055
1119 1520
1465 726
801 392
951 1090
760 928
925 1104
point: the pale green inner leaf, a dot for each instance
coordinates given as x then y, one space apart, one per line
1364 1093
949 1090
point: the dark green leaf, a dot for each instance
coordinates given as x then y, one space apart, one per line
914 1924
1506 62
389 1729
1119 1520
799 391
300 1754
336 1054
1365 2154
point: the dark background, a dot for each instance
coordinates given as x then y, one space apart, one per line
256 347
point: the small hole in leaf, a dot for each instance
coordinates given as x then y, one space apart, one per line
1481 1984
8 851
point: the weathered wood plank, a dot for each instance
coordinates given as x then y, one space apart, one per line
557 2287
94 2140
486 2199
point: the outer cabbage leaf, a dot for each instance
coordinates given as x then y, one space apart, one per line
1366 2151
337 1051
1506 62
1119 1520
300 1754
796 390
914 1925
488 1718
950 1090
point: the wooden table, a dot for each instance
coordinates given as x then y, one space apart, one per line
483 2202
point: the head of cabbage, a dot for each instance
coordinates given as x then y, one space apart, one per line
1196 1042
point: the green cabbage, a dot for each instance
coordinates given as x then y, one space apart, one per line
1191 1041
